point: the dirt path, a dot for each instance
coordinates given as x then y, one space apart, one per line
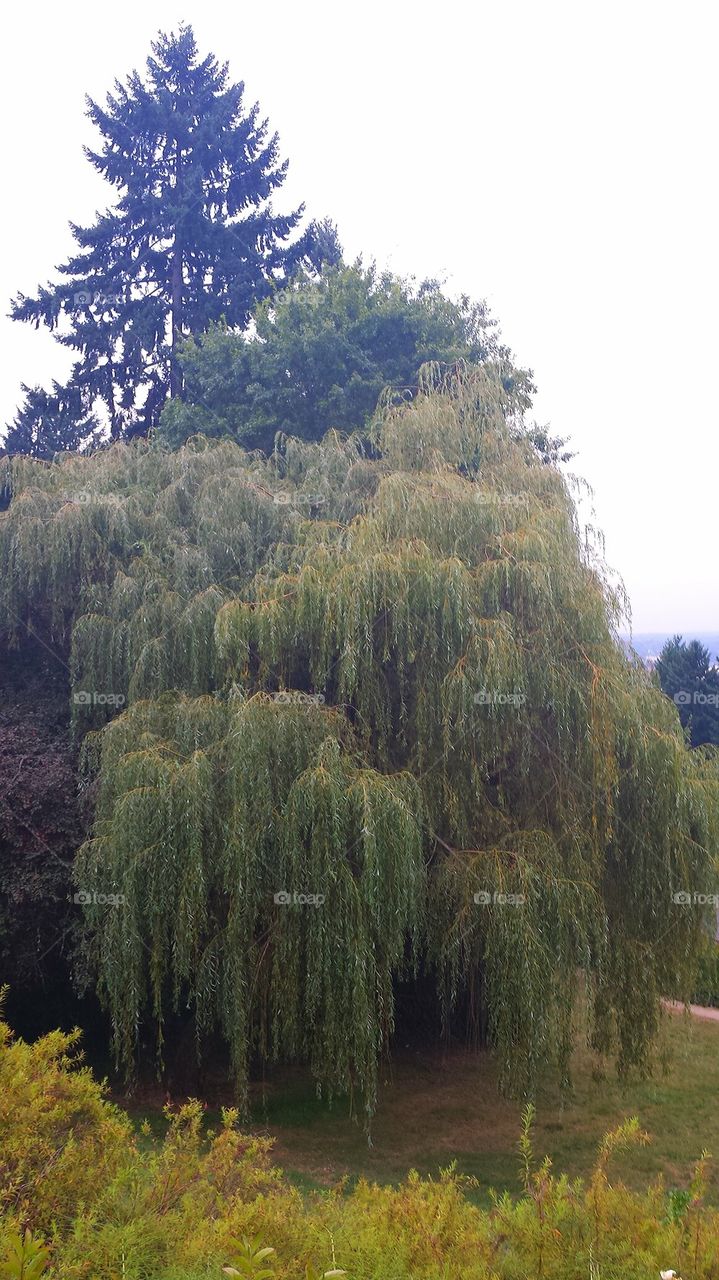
696 1010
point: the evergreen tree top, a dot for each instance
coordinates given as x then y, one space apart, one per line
188 112
192 237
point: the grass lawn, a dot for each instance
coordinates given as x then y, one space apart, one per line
437 1107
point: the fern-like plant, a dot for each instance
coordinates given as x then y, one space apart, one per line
27 1257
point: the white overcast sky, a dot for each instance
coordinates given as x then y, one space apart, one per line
557 159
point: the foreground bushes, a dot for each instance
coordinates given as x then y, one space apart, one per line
72 1173
60 1141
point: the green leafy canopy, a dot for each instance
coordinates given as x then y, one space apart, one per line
320 354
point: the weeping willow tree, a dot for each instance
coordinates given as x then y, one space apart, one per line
371 718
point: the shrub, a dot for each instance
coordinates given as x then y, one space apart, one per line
193 1208
60 1140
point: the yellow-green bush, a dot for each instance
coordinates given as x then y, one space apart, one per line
60 1140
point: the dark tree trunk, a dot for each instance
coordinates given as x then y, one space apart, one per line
175 374
176 287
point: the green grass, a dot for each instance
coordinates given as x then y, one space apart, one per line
435 1108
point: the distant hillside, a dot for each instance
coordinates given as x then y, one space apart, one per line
648 644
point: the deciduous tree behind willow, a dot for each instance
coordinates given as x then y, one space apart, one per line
191 238
320 353
376 722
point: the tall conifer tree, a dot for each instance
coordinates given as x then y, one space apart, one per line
191 238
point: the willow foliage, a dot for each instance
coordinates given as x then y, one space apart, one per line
260 866
373 717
